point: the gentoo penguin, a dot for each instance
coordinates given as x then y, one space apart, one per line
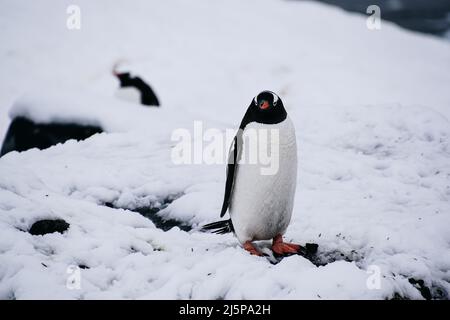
134 89
260 205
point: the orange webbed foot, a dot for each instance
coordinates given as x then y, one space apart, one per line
252 249
282 248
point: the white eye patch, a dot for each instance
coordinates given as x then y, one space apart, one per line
275 99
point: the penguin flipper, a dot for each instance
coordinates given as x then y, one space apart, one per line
231 170
233 156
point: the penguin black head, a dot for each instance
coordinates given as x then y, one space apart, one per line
267 108
266 100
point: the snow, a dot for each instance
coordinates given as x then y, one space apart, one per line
371 111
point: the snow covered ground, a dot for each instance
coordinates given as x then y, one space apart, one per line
371 110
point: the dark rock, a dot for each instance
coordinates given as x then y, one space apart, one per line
42 227
152 212
439 293
423 289
310 251
164 224
24 134
435 292
311 248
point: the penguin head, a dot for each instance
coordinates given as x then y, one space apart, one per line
267 108
267 101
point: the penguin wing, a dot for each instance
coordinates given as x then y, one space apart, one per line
233 156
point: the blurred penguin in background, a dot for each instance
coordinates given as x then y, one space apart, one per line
133 88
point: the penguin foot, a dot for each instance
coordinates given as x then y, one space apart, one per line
251 248
282 248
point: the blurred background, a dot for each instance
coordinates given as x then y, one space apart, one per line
432 16
371 108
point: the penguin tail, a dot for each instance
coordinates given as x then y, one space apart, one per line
219 227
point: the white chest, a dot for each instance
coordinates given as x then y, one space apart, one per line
263 193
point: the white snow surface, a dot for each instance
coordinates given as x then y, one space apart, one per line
371 111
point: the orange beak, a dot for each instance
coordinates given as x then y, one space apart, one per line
264 105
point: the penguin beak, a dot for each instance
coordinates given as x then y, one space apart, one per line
264 105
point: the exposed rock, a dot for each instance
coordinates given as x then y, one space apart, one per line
42 227
151 212
434 292
24 134
420 285
160 222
